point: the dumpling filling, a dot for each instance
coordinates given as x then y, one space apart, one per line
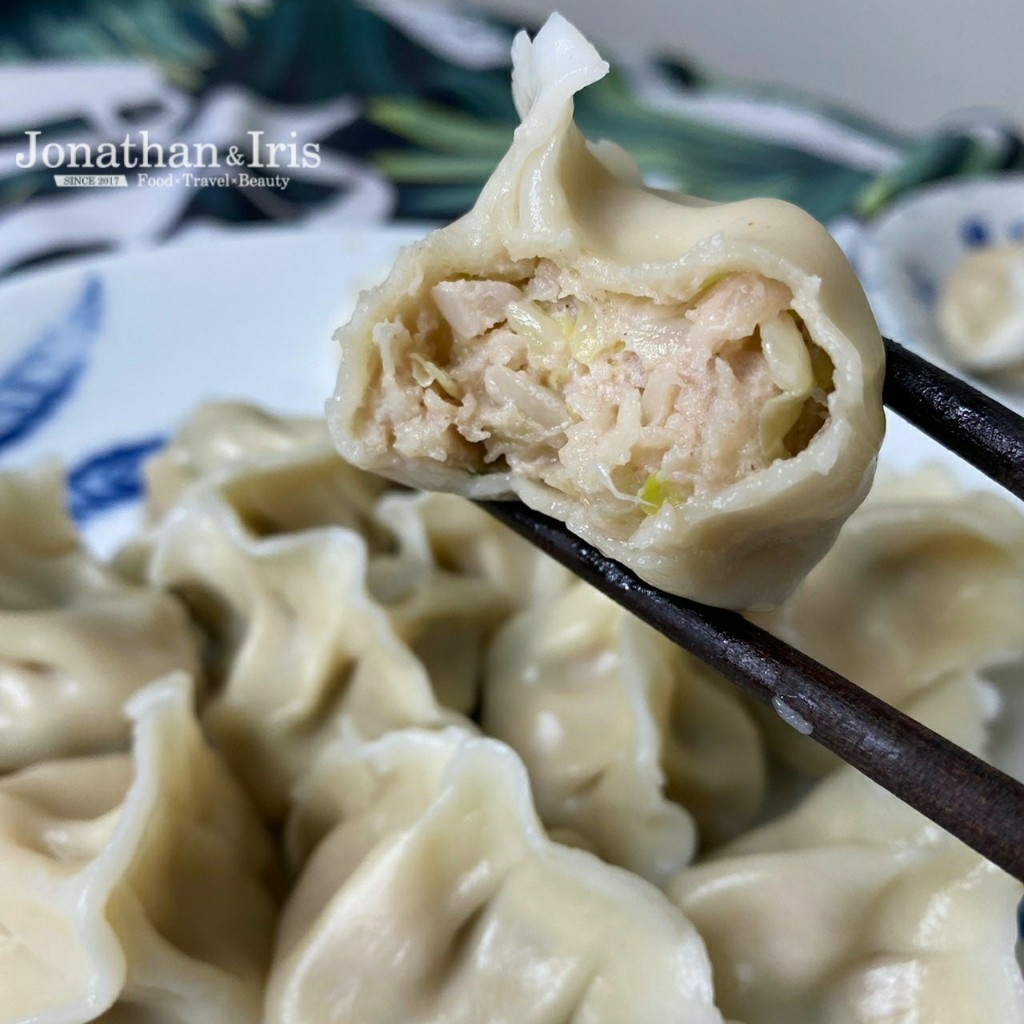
624 401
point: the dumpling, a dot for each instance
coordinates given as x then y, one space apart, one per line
925 581
436 897
446 572
453 576
284 469
981 308
328 598
134 888
454 534
854 909
76 641
298 647
368 788
693 388
281 472
627 739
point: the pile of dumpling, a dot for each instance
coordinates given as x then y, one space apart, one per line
316 749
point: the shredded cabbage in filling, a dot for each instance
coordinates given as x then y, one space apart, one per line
608 397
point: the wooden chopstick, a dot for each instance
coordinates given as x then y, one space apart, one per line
970 799
974 426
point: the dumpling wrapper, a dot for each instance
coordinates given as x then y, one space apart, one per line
281 469
135 887
693 388
327 596
854 909
628 740
436 897
298 646
452 577
981 309
446 573
76 640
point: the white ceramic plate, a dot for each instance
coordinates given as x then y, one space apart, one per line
100 359
905 256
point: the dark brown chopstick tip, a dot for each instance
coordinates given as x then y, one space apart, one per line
976 427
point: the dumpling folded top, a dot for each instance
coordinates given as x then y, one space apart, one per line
693 388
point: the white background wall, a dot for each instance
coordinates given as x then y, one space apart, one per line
907 63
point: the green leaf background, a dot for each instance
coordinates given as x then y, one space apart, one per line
436 129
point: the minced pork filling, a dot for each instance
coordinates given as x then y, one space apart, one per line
607 397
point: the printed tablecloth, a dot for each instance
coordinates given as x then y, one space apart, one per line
371 111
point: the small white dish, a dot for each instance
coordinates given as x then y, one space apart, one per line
906 255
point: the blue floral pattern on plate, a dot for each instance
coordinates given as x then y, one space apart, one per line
40 380
35 387
109 479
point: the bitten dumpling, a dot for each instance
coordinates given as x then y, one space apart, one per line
76 640
693 388
134 887
437 897
628 740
